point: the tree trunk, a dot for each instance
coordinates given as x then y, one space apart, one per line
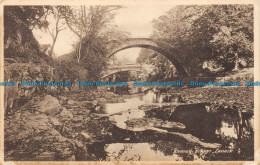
79 52
53 43
236 63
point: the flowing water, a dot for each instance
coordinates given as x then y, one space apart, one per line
161 127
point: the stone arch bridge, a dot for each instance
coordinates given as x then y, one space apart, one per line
149 44
112 70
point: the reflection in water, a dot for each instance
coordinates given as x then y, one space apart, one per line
111 108
235 126
151 97
122 118
137 152
148 97
131 103
227 129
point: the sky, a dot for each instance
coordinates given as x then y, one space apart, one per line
136 20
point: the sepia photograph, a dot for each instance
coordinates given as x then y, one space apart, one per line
129 82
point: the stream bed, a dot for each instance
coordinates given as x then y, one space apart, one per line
160 126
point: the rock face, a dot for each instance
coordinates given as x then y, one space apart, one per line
49 105
11 93
16 96
40 134
44 130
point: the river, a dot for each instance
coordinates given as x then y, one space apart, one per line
160 126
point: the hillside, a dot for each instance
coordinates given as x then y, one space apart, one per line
66 57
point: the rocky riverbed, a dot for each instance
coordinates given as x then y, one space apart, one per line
74 127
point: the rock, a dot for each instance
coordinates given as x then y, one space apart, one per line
64 150
22 135
66 90
86 102
170 124
45 156
79 144
195 140
63 100
53 133
37 123
101 101
55 122
71 102
148 107
53 89
25 73
60 138
72 158
74 87
150 123
86 112
49 105
32 124
94 102
97 108
84 136
71 142
37 138
65 114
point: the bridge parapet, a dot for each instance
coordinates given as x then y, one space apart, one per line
132 42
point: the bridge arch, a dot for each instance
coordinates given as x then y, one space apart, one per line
107 74
149 44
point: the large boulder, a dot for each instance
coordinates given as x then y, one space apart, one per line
49 105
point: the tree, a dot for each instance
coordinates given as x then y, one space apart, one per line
88 23
228 32
162 69
197 34
58 27
93 25
19 42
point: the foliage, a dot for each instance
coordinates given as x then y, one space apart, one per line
196 34
163 69
19 42
28 16
120 61
94 28
66 71
92 24
88 24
